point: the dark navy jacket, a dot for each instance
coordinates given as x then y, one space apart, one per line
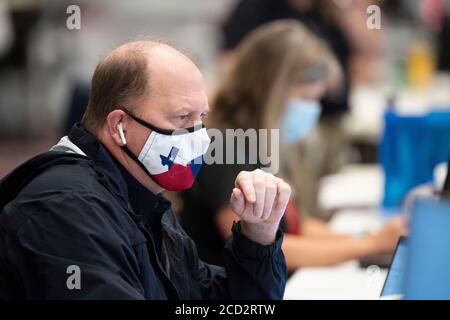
61 209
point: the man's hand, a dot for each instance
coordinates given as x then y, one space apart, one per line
260 200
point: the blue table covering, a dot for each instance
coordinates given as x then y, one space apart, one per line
410 149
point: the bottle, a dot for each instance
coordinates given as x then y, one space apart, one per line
420 65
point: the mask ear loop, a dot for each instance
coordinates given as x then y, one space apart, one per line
121 134
128 151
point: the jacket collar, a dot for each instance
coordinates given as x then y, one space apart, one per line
148 206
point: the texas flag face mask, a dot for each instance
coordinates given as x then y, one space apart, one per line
172 158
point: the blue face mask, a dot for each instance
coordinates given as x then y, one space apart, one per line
300 118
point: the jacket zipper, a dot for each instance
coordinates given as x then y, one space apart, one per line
171 286
168 281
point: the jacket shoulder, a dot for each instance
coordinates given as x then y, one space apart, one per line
72 178
63 193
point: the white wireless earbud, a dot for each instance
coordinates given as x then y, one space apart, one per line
122 136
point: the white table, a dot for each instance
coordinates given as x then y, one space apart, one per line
354 186
368 104
343 282
346 281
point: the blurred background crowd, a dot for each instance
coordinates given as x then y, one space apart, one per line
385 114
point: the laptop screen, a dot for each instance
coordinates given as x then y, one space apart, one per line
428 272
395 280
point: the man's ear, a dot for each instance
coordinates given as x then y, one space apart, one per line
112 123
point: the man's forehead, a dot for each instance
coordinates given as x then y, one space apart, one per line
178 104
179 84
173 72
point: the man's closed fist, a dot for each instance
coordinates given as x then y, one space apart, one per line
260 200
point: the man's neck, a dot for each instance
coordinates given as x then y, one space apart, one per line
130 165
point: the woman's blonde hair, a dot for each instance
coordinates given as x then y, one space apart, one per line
267 63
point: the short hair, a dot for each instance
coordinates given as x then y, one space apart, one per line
121 79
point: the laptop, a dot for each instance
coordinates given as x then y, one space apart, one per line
420 268
428 271
394 285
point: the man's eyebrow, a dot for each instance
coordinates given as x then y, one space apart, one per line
188 110
181 107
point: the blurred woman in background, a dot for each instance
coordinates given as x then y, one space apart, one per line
279 74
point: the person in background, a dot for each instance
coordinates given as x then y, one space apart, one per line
342 26
436 15
280 72
6 35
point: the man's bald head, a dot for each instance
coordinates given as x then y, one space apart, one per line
130 74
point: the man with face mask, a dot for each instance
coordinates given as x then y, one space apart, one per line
86 220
